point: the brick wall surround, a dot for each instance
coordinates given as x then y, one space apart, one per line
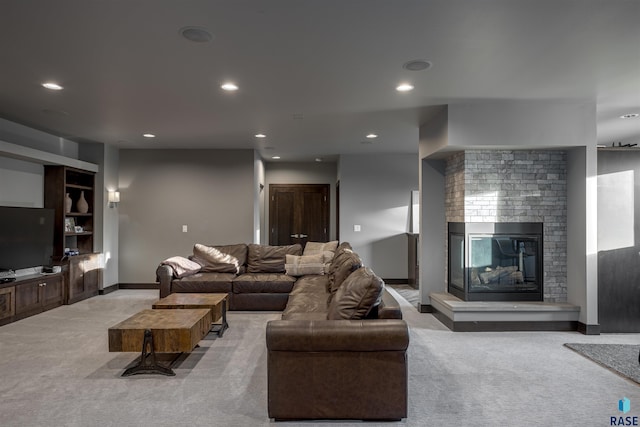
515 186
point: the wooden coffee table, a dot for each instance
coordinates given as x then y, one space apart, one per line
216 302
162 331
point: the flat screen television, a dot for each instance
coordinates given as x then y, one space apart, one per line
26 237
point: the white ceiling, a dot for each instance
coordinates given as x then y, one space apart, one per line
314 76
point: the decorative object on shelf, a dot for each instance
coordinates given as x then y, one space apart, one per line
78 229
114 198
67 203
83 206
69 225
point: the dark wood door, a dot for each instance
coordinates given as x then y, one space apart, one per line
298 213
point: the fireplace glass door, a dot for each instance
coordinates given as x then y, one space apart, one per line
502 263
495 261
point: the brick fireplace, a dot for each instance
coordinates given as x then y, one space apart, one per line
515 186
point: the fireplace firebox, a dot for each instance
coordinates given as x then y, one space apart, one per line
495 261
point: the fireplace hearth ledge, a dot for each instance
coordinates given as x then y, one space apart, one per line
459 315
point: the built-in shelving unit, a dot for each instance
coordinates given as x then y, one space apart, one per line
74 229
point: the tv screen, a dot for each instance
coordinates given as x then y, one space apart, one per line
26 237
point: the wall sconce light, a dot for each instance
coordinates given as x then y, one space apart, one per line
114 198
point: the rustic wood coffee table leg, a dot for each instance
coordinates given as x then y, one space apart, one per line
224 326
148 363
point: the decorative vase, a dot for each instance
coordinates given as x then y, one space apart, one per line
67 203
83 206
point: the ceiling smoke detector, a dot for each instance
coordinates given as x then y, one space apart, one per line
196 34
417 65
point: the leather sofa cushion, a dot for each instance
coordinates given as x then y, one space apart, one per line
311 284
304 304
221 258
357 295
204 282
268 283
341 267
269 259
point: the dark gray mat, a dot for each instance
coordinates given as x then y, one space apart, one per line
619 358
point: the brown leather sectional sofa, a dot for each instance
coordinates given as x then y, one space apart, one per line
339 350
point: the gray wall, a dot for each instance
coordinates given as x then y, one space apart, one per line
210 191
21 183
300 173
375 193
106 220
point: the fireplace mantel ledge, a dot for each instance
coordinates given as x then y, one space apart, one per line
456 304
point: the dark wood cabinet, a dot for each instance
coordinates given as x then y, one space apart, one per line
84 277
31 295
7 302
414 268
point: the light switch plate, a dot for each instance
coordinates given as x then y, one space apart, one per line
185 228
357 228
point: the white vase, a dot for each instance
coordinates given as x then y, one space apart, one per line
83 206
67 203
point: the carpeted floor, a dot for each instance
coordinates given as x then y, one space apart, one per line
620 358
407 292
55 370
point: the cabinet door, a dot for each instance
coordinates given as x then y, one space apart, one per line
92 274
28 296
7 302
76 278
52 291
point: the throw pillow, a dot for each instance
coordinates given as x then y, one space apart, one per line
182 266
304 265
270 259
312 248
219 259
359 293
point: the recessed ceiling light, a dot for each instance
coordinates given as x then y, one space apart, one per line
372 135
148 135
52 86
417 65
404 87
196 34
630 116
275 157
318 159
260 135
229 87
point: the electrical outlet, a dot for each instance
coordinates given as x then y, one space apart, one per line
185 228
357 228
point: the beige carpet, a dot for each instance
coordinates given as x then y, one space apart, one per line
56 370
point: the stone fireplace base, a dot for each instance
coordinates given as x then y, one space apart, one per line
483 316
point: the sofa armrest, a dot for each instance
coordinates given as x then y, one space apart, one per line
164 275
337 335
